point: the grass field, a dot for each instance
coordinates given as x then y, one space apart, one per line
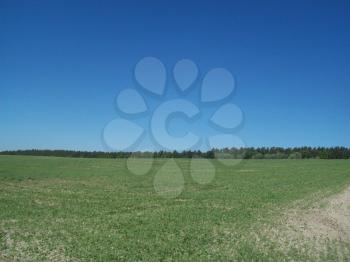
57 209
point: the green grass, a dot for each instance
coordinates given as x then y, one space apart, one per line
95 210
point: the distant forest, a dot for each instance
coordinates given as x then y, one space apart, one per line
233 153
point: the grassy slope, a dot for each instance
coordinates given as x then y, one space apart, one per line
93 209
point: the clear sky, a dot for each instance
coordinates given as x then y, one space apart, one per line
62 63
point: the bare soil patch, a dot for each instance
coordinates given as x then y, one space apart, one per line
320 232
330 218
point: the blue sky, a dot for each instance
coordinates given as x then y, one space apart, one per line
62 63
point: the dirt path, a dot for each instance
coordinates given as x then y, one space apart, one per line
319 233
328 219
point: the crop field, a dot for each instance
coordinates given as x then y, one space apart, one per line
75 209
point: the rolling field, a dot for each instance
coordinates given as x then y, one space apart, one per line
72 209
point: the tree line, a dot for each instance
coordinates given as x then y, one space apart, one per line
233 153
